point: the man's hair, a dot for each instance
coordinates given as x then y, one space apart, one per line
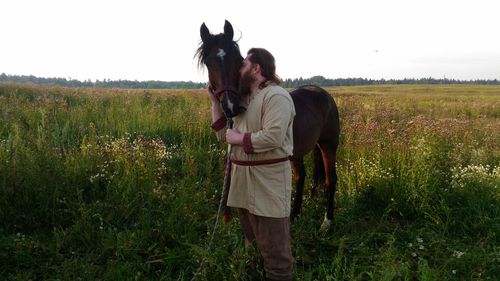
267 64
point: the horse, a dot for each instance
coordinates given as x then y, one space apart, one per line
315 127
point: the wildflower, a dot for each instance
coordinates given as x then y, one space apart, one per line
461 176
458 254
454 271
420 240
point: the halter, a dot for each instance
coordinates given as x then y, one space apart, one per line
225 89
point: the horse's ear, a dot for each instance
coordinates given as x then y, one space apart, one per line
228 30
204 33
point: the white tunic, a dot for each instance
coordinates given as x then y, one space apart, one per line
264 190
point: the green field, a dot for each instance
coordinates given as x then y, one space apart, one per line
100 184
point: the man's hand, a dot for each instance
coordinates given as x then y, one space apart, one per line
233 136
211 94
216 108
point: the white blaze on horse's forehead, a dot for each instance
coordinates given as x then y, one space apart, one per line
221 54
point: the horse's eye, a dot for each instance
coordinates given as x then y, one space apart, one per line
212 66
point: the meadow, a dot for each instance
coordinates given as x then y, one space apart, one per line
114 184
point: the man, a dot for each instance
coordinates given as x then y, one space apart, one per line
261 174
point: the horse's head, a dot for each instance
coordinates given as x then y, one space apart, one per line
221 55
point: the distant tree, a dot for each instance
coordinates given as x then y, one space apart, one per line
317 80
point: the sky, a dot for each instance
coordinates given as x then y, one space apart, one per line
156 40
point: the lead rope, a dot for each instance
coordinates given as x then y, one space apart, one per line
227 172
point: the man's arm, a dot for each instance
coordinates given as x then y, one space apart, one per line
218 117
277 117
278 114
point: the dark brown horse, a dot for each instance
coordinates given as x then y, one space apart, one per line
316 124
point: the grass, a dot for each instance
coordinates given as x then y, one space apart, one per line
100 184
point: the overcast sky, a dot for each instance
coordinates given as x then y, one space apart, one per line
156 40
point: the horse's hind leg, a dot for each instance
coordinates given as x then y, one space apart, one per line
299 173
329 156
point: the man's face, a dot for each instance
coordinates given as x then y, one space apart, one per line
247 77
246 66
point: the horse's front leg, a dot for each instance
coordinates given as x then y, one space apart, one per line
318 171
299 174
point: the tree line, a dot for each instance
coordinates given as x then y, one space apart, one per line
105 83
287 83
326 82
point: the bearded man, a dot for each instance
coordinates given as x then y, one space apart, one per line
261 174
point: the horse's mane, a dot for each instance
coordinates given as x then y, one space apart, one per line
231 48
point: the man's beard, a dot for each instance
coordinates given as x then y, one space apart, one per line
246 81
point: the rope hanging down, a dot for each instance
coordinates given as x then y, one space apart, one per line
222 202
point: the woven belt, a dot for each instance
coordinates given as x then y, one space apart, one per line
258 162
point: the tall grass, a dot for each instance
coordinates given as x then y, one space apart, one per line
124 184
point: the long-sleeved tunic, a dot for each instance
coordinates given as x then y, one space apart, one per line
263 190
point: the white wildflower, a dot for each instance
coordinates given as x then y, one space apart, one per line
458 254
475 174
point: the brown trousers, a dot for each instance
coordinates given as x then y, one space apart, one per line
273 240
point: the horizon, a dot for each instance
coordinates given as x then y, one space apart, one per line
105 80
284 80
156 41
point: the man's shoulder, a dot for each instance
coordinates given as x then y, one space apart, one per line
274 89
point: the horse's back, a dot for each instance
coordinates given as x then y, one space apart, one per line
313 98
316 119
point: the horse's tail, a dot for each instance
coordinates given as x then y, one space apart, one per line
319 176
